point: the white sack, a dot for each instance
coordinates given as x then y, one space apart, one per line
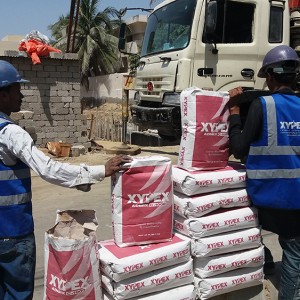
200 205
218 222
226 242
202 182
204 142
211 266
186 292
142 202
154 281
121 263
228 282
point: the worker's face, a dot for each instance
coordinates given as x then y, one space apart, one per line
13 98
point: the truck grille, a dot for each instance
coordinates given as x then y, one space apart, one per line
158 82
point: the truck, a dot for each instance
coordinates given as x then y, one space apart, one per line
209 44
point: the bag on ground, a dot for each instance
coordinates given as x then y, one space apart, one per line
71 257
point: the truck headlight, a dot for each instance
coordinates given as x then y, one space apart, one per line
172 99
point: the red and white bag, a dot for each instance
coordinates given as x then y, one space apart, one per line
229 282
71 257
122 263
185 292
226 242
217 222
214 265
204 118
203 204
142 202
201 182
154 281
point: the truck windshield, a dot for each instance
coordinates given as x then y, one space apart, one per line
169 27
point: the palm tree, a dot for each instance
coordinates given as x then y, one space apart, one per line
94 40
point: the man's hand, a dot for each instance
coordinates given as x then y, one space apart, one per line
235 96
115 164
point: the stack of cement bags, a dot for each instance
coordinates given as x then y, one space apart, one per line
210 200
152 271
225 237
145 260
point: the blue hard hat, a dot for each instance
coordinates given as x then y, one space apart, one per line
9 74
281 59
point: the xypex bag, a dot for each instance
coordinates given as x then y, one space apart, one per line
226 242
214 265
201 182
204 118
203 204
121 263
154 281
185 292
217 222
71 257
229 282
142 202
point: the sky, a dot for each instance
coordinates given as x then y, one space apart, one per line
20 17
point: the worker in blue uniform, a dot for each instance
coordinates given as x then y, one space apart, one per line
270 139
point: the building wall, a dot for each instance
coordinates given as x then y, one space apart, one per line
105 88
53 95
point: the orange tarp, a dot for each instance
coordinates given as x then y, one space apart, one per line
36 49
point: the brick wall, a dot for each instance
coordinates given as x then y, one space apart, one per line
53 95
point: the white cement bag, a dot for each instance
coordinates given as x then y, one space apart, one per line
202 182
154 281
186 292
211 266
204 119
142 202
226 242
121 263
219 221
200 205
228 282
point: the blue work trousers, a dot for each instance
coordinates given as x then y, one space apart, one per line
17 268
289 288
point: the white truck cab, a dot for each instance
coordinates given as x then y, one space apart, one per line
216 45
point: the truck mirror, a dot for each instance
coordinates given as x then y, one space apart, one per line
122 37
211 17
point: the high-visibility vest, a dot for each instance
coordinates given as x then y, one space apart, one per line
15 197
273 164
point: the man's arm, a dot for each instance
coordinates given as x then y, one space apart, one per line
19 143
241 137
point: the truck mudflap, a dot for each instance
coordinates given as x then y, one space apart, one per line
163 119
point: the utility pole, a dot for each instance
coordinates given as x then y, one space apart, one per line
75 4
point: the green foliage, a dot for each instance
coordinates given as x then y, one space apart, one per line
134 61
95 40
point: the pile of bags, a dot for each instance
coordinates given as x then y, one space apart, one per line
186 231
145 260
210 200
